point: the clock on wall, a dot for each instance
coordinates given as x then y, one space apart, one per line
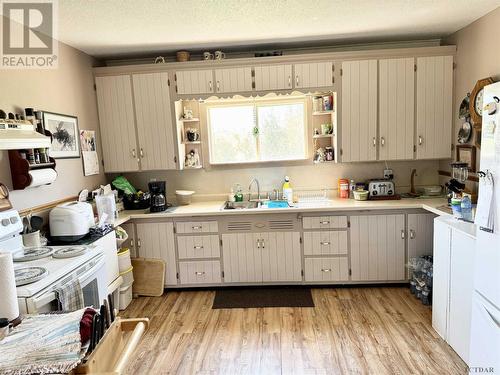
476 101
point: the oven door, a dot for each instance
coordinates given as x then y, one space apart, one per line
92 281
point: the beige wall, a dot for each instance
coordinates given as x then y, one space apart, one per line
69 90
478 56
216 183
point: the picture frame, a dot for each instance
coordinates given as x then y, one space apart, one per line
65 136
477 138
467 154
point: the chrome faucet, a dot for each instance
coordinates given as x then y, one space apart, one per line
250 190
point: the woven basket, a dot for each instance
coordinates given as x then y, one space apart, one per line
183 56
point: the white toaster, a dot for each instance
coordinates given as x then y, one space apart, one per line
71 221
381 188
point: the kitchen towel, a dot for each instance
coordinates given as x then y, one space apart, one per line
70 296
485 212
8 296
42 177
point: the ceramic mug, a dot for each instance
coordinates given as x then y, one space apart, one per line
219 55
208 56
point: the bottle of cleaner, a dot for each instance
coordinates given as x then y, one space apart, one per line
287 190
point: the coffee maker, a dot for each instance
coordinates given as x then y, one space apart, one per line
158 193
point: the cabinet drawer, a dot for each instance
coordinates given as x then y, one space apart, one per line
327 222
197 227
325 242
201 272
198 246
326 269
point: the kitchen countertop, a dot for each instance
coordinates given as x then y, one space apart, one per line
437 206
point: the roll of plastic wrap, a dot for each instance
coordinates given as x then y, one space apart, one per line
8 296
42 177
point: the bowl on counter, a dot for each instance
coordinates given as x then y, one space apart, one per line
360 195
184 197
432 190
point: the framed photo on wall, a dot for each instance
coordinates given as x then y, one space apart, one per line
467 154
65 135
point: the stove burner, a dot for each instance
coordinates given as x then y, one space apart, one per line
32 253
69 252
28 275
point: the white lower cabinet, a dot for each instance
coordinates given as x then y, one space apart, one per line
378 247
326 269
156 240
453 286
261 257
200 272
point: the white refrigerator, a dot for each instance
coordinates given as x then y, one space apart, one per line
485 326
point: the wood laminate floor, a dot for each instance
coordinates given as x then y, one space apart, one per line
378 330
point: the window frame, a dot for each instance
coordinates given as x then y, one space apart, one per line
256 102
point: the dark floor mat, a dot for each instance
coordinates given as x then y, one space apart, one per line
235 298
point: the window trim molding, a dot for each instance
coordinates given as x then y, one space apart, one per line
256 102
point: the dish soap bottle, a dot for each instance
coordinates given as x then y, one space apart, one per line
238 197
287 190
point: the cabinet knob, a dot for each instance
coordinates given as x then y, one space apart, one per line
197 273
141 152
326 270
297 80
210 86
139 242
325 243
324 222
134 153
382 141
412 234
403 235
258 244
198 247
420 140
218 86
197 227
289 81
374 142
263 243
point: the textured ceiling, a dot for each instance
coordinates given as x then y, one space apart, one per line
130 27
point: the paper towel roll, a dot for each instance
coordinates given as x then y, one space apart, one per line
8 296
42 176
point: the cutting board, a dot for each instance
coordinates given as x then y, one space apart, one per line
149 277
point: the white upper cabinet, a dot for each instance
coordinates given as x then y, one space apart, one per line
233 79
359 110
434 107
318 74
396 108
273 77
117 124
154 121
195 81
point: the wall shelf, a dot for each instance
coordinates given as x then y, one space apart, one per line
322 113
183 145
20 168
189 120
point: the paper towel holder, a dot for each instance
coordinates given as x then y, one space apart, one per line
20 168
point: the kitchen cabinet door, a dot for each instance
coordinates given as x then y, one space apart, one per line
434 107
117 123
130 243
396 108
242 254
461 290
154 121
233 79
319 74
441 277
420 234
378 247
281 257
195 81
273 77
156 240
359 110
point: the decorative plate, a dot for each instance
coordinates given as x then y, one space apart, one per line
28 275
463 112
465 133
32 253
69 252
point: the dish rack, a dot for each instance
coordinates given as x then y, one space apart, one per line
114 351
311 196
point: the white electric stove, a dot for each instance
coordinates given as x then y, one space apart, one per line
56 267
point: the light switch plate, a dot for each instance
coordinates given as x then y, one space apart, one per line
388 174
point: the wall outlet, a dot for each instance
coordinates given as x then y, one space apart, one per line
388 174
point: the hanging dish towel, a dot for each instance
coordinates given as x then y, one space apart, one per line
70 296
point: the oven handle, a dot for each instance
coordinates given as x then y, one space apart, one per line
50 296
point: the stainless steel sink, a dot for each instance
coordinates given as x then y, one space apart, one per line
240 205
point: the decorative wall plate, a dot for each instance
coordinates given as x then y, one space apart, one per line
465 133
